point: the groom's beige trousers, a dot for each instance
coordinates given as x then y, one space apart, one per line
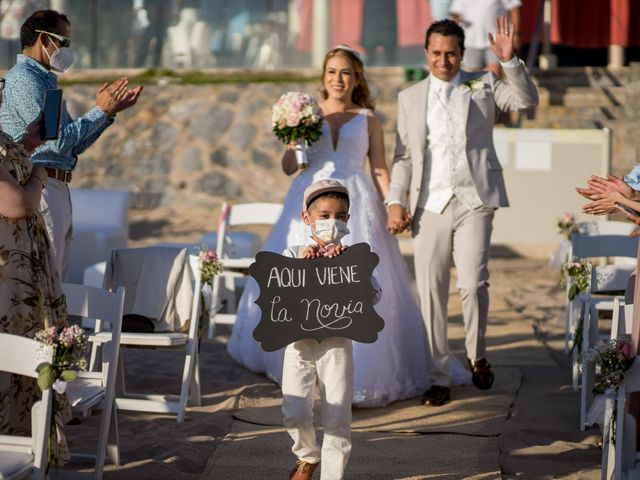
462 236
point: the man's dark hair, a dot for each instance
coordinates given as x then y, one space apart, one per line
338 195
46 20
446 28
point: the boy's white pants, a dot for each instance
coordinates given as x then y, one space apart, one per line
330 364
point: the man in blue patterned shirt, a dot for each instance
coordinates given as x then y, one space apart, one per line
46 48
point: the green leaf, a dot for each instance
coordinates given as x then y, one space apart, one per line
68 375
46 377
573 291
42 365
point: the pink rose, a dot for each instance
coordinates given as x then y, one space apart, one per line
292 119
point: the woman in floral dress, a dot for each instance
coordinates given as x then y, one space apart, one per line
31 295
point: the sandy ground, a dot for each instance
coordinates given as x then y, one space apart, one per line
525 427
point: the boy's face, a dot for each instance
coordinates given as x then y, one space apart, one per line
326 208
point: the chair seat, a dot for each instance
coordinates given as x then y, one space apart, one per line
238 263
15 465
144 339
84 393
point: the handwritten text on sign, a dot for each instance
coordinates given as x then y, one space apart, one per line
319 298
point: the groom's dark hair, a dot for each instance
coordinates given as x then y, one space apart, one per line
447 28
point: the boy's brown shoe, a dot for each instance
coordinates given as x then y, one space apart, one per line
303 470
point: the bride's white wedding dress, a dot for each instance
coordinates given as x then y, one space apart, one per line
395 366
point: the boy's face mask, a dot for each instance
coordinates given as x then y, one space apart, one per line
330 230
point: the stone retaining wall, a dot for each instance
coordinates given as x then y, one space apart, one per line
199 144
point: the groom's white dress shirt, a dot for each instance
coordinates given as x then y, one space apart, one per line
448 170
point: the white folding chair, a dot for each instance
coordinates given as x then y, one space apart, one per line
97 389
604 279
177 340
223 293
26 457
597 241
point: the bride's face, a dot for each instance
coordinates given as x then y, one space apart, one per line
339 78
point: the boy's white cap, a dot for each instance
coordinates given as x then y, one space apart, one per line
316 189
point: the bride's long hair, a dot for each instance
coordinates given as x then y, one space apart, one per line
361 95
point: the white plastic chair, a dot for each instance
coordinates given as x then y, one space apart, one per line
223 288
186 341
604 279
584 246
26 457
100 224
97 389
599 228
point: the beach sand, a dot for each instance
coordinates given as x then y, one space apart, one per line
526 427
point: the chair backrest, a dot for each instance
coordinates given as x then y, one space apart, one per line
100 207
244 214
159 284
610 278
21 356
102 306
605 227
593 246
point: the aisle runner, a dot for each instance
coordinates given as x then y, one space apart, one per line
473 412
252 451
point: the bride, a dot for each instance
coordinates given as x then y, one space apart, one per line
395 366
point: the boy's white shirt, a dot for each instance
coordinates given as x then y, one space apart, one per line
296 250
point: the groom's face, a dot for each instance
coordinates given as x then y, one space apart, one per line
444 56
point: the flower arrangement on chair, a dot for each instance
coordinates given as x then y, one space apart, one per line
613 359
69 347
296 118
210 267
576 274
567 225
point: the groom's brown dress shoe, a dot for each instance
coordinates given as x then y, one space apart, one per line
481 374
436 396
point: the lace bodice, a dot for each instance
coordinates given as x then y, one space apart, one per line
351 150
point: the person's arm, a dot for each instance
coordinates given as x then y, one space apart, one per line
379 170
110 99
18 201
519 91
397 198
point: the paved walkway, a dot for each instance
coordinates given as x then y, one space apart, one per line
525 427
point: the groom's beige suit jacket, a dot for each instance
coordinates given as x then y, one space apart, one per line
483 96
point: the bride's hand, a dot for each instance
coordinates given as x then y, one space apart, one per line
396 219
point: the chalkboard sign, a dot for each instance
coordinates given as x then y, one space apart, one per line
316 298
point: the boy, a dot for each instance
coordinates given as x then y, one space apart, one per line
329 363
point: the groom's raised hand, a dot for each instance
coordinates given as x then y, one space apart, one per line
503 43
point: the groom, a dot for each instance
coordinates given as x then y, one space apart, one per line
446 183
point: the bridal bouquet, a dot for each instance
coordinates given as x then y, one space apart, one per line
296 118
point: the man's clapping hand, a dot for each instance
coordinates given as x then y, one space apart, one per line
117 96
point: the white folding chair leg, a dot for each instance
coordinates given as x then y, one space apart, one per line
615 319
589 335
214 307
187 385
575 355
